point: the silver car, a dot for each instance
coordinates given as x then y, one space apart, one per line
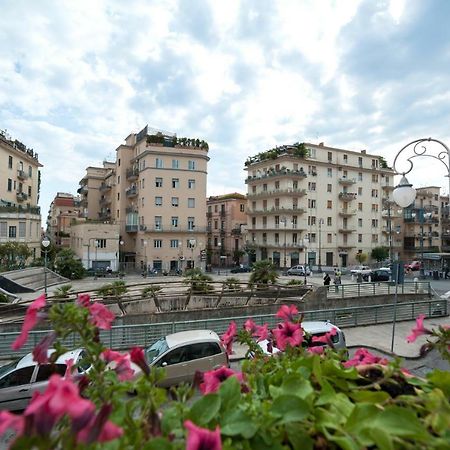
299 270
183 354
21 378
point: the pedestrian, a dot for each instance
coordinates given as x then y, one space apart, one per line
326 280
446 270
338 276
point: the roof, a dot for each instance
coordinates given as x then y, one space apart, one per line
191 336
27 360
318 326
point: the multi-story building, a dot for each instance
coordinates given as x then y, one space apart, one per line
63 210
155 191
20 218
226 220
315 204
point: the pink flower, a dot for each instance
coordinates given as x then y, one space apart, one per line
101 316
137 357
228 336
419 330
201 438
10 421
287 313
100 429
363 356
288 333
121 364
326 338
213 378
40 352
261 332
318 350
83 300
249 326
31 319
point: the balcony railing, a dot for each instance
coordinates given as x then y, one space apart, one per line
131 228
105 201
20 209
132 173
131 192
275 192
279 245
346 230
22 175
347 196
104 215
169 229
82 189
105 187
278 209
131 209
277 173
347 212
347 181
21 196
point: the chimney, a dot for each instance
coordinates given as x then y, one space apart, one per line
321 144
363 152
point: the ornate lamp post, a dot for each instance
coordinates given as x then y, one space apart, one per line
45 244
319 268
305 244
284 221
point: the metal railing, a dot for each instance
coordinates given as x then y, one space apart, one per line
128 336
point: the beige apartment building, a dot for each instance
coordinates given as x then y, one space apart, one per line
64 209
20 218
226 221
155 192
315 204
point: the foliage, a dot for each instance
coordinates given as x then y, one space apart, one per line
294 283
198 281
361 257
383 163
237 255
13 255
67 264
233 284
301 398
264 272
379 253
297 150
172 141
62 291
116 289
151 290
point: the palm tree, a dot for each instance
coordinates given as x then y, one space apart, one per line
116 289
264 272
152 290
62 291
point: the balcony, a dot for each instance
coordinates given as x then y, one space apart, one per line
21 196
132 173
158 228
346 212
20 209
131 192
280 245
347 196
104 215
236 232
279 192
276 174
347 181
104 187
131 210
105 201
22 175
275 227
346 230
82 189
277 209
387 187
131 228
415 248
209 215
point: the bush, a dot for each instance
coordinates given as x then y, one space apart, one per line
198 281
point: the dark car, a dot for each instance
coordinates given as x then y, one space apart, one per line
241 269
377 275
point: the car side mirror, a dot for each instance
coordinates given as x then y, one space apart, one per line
164 364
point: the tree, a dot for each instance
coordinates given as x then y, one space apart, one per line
264 272
379 253
68 265
13 255
62 291
361 257
116 290
199 282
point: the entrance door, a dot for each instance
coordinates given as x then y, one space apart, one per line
329 259
344 260
276 259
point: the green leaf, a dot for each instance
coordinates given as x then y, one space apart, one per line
440 379
369 396
230 393
296 385
237 422
170 420
382 439
158 444
327 394
361 417
299 439
290 409
205 409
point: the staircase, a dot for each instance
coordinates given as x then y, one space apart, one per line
29 280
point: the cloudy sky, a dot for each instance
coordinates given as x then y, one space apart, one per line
76 77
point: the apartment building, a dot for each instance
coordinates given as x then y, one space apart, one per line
20 217
315 204
155 192
226 221
64 209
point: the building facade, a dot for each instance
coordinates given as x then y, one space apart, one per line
20 218
315 204
226 221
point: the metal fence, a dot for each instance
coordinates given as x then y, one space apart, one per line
127 336
375 288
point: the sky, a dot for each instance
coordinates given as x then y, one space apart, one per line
77 77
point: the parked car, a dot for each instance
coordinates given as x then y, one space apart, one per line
241 269
363 270
21 378
185 353
415 265
378 275
318 329
299 270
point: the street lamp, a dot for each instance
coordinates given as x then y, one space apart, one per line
145 258
305 245
219 244
45 244
284 221
321 222
192 243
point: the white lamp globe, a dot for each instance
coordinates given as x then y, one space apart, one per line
404 194
45 242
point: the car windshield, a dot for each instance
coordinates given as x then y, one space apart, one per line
8 367
156 349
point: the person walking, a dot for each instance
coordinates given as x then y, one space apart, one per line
326 280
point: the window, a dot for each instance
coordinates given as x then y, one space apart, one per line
10 162
100 243
157 243
143 183
18 377
311 220
265 187
329 187
329 204
277 203
360 191
264 238
222 225
30 171
312 237
158 182
118 196
142 201
191 184
374 163
46 370
295 184
191 164
312 186
359 238
329 238
294 221
29 191
9 185
12 231
191 223
360 223
158 201
374 223
3 229
330 156
360 176
277 238
174 243
374 178
174 201
329 221
277 185
360 161
191 202
360 206
311 203
175 163
216 207
374 238
175 183
242 207
22 229
118 179
253 189
158 222
294 238
329 172
159 163
374 207
375 193
174 221
345 158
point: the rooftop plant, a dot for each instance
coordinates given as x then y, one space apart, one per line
172 141
298 150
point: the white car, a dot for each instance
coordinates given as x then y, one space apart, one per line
21 378
299 270
363 270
